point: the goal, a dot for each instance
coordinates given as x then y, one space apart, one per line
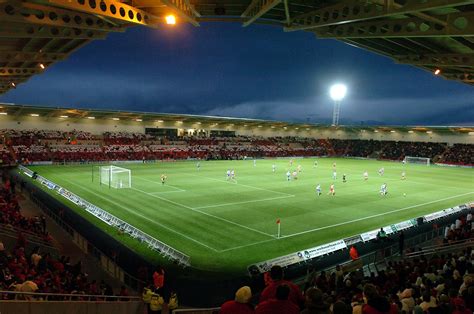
115 177
417 160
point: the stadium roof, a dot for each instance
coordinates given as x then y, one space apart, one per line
214 122
434 34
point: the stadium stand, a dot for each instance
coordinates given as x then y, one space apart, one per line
34 145
33 270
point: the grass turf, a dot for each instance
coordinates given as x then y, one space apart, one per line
225 226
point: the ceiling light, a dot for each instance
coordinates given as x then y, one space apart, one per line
411 131
116 119
437 71
64 116
159 121
91 118
259 126
429 132
3 113
170 19
297 128
376 131
41 65
392 131
198 122
34 115
13 84
138 120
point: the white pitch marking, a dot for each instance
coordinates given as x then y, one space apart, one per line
246 245
166 192
159 183
249 186
373 216
204 213
245 202
144 217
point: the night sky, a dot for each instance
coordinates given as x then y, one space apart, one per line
254 72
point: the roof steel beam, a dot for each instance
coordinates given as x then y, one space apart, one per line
439 60
463 77
107 8
6 71
358 11
257 9
43 15
19 30
20 56
183 9
457 24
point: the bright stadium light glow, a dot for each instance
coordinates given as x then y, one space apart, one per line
411 131
3 113
170 19
116 119
159 121
392 131
64 116
41 65
91 118
138 120
429 132
34 115
437 72
338 92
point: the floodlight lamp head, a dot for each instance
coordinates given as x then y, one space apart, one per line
338 92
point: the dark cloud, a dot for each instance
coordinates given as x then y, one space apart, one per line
258 72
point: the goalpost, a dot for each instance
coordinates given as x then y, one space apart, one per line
417 160
115 177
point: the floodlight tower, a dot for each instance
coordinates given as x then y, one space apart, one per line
337 93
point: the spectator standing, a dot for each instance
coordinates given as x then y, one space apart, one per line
276 274
281 304
401 243
240 305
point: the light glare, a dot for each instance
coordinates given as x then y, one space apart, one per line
338 92
170 19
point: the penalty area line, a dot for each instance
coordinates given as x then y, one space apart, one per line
159 183
374 216
133 212
245 202
204 213
240 184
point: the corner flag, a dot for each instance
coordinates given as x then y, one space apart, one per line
278 223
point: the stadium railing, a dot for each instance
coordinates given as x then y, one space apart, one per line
107 264
212 310
442 248
153 243
33 303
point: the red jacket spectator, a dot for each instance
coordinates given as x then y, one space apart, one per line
159 278
280 305
269 292
353 253
241 303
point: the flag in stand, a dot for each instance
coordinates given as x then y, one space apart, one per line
278 223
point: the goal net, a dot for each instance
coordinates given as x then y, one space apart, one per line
115 177
417 160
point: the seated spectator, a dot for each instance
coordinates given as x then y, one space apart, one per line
276 274
315 302
281 304
240 305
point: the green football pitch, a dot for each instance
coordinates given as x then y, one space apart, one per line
226 225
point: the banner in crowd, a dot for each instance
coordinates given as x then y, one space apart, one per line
282 261
323 249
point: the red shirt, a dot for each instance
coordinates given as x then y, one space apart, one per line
275 306
233 307
270 292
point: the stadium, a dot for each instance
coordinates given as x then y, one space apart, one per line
125 210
